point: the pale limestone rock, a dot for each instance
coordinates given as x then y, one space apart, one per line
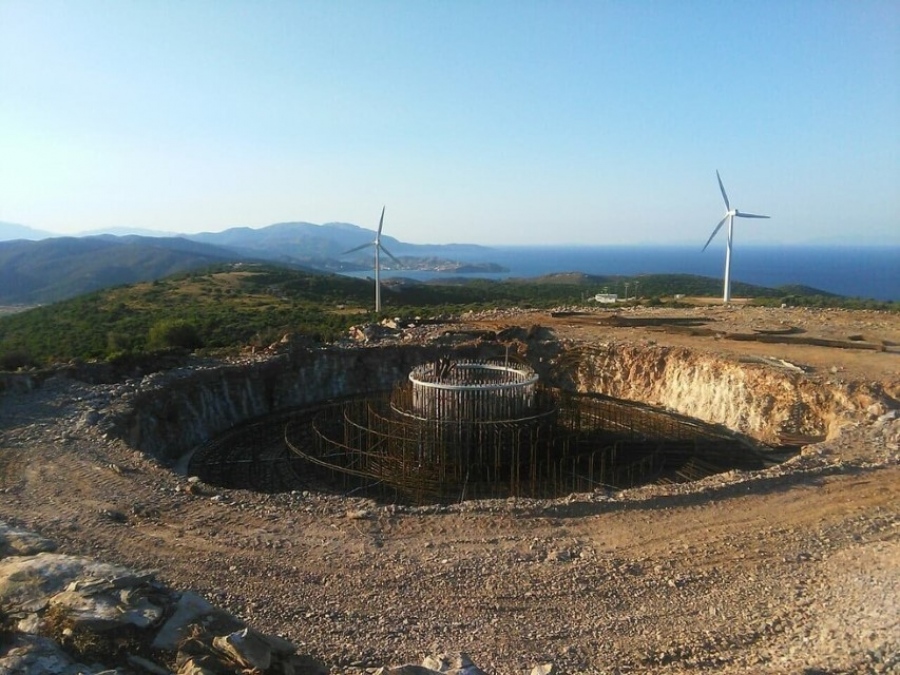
545 669
37 655
246 648
451 662
101 610
190 610
26 583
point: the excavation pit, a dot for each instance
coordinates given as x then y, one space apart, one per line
456 431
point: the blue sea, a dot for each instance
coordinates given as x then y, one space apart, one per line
861 271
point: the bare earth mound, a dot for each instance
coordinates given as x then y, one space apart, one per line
791 569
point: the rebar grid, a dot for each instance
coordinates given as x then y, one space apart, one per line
575 443
470 390
553 444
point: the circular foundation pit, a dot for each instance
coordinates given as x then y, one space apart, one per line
460 430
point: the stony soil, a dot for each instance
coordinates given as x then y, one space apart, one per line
793 569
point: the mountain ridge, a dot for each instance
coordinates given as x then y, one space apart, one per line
48 269
13 231
57 268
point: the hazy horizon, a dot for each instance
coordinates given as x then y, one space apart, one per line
823 241
497 124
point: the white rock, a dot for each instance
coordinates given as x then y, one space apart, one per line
545 669
191 607
40 577
246 648
37 655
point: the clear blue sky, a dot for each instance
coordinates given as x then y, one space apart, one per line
491 122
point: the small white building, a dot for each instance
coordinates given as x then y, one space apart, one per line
607 298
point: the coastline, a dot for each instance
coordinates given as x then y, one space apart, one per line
862 271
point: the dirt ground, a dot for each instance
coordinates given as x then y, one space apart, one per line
795 569
874 336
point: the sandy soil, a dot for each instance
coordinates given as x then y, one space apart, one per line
795 569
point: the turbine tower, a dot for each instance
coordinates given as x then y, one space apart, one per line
378 248
730 215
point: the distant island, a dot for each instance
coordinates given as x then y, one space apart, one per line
434 264
474 268
413 264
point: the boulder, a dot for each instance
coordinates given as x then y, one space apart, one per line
108 608
246 648
28 582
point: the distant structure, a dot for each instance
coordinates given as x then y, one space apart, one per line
378 248
730 215
607 298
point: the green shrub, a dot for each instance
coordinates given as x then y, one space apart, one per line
117 342
174 333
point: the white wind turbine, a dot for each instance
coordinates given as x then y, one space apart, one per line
730 215
378 248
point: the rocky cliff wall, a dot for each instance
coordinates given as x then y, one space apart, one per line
173 412
754 399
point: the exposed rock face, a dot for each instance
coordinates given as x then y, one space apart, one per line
167 414
753 399
176 411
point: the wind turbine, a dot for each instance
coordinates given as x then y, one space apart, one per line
378 248
730 215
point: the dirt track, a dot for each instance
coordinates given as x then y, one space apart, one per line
796 569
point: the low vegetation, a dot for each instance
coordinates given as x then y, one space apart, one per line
85 644
230 306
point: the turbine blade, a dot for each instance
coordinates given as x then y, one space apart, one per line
358 248
381 222
715 232
396 260
722 188
741 214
